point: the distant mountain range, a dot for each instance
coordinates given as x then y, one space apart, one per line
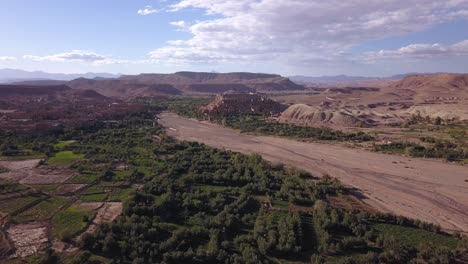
14 75
347 78
128 86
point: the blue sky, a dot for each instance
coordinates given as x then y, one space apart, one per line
355 37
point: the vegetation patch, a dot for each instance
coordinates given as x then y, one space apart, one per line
84 179
122 175
17 204
121 195
45 187
81 257
433 148
415 237
10 187
41 211
96 189
98 197
64 144
69 222
65 157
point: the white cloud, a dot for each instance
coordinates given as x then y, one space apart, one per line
8 58
87 57
110 61
422 51
74 55
148 10
298 31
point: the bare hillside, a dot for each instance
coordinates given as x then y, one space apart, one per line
440 82
302 114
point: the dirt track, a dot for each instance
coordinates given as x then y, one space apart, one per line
428 190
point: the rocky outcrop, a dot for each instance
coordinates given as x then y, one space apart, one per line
301 114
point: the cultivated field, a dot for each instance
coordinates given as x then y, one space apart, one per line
428 190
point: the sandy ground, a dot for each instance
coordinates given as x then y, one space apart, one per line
428 190
28 238
27 172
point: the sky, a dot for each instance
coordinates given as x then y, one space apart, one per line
288 37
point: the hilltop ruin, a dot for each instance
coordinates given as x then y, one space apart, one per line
242 103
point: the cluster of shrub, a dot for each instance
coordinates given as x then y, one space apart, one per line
432 149
252 123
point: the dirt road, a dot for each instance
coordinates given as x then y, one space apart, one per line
428 190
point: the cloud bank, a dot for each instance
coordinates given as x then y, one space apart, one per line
74 55
7 58
298 31
422 51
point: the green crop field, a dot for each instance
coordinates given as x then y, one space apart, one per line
64 144
65 157
122 175
93 190
12 205
121 195
98 197
69 222
41 211
84 178
45 187
413 237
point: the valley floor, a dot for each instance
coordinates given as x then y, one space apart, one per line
428 190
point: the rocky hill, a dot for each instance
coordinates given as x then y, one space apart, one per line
430 89
7 91
17 94
237 103
123 88
440 82
305 115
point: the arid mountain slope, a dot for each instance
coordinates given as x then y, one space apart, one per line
302 114
17 94
427 95
218 82
432 88
123 88
31 90
441 82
